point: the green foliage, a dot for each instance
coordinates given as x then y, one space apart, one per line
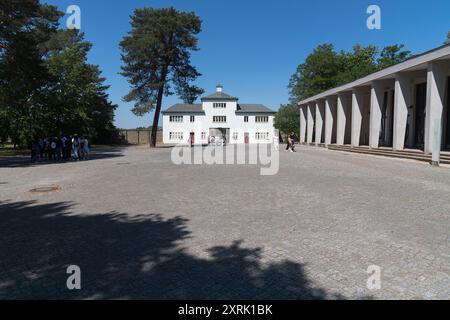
46 85
76 99
24 26
317 74
391 55
356 64
324 68
287 119
156 53
189 93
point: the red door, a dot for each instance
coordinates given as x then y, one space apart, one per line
246 138
192 137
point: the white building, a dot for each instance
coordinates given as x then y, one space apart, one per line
220 116
405 106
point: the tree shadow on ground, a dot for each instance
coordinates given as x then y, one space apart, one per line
123 257
24 161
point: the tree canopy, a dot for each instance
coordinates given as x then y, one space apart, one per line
156 56
287 119
325 68
77 98
47 87
24 26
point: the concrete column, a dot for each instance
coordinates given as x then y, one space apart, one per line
330 104
319 121
357 107
342 111
376 102
310 123
402 100
303 124
436 79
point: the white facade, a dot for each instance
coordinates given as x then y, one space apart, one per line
219 115
405 106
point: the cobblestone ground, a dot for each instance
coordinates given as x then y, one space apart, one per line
139 226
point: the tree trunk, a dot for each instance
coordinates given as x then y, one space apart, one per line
158 108
156 117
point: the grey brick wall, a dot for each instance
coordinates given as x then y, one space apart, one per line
134 136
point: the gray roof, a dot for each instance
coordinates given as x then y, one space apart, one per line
253 108
219 96
185 108
197 109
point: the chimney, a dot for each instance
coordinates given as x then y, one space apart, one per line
219 88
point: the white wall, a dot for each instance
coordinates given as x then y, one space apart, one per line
203 123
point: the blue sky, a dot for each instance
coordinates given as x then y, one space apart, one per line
252 47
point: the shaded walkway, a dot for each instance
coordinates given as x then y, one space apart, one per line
123 257
98 153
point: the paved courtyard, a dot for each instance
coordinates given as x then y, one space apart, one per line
139 226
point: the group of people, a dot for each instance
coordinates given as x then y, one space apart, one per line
291 143
217 141
60 149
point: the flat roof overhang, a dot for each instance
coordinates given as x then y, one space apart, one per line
180 113
415 63
252 113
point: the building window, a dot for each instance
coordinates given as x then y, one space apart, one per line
246 119
260 136
203 135
219 119
176 119
176 136
192 118
219 105
235 135
261 119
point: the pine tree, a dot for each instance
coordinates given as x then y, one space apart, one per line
156 53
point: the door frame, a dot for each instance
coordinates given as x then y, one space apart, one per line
246 137
419 122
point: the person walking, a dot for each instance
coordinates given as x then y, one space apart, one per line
292 142
41 148
68 150
46 149
288 145
58 149
63 140
34 150
84 148
75 147
52 149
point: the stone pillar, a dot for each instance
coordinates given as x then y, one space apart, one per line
436 79
330 104
342 111
357 107
310 123
376 102
303 124
319 121
402 101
